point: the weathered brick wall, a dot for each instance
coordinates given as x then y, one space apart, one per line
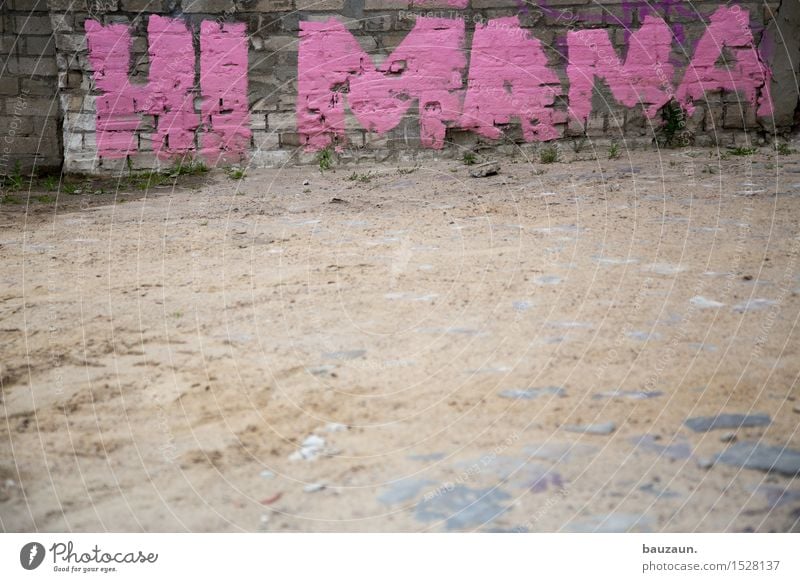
221 79
29 109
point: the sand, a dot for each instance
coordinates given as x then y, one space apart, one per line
166 353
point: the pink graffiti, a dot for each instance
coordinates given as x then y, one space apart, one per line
428 67
728 29
169 93
509 77
645 77
438 3
223 90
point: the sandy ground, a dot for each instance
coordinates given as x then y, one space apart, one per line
406 351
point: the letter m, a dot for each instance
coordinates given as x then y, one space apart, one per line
427 67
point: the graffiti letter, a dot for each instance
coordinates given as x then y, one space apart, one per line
223 86
169 93
427 67
645 77
508 77
729 28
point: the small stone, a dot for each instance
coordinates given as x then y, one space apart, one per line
485 169
531 393
314 487
335 427
772 459
601 428
705 463
676 448
705 303
267 474
306 183
753 304
310 449
345 355
728 437
796 408
628 394
707 423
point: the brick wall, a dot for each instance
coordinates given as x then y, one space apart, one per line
29 108
386 79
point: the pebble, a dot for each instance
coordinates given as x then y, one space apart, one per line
485 169
314 487
753 305
704 303
267 474
345 355
611 261
335 427
777 496
310 449
678 448
665 269
547 280
707 423
753 455
531 393
705 463
728 437
602 428
796 408
559 452
643 336
425 457
632 395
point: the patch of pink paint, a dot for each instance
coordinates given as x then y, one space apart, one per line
427 66
645 77
729 28
109 55
167 95
223 87
509 77
439 3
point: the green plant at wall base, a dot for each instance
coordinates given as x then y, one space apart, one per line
235 173
613 151
363 178
671 133
468 158
783 149
70 189
10 199
15 179
188 167
548 155
50 183
325 159
743 151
